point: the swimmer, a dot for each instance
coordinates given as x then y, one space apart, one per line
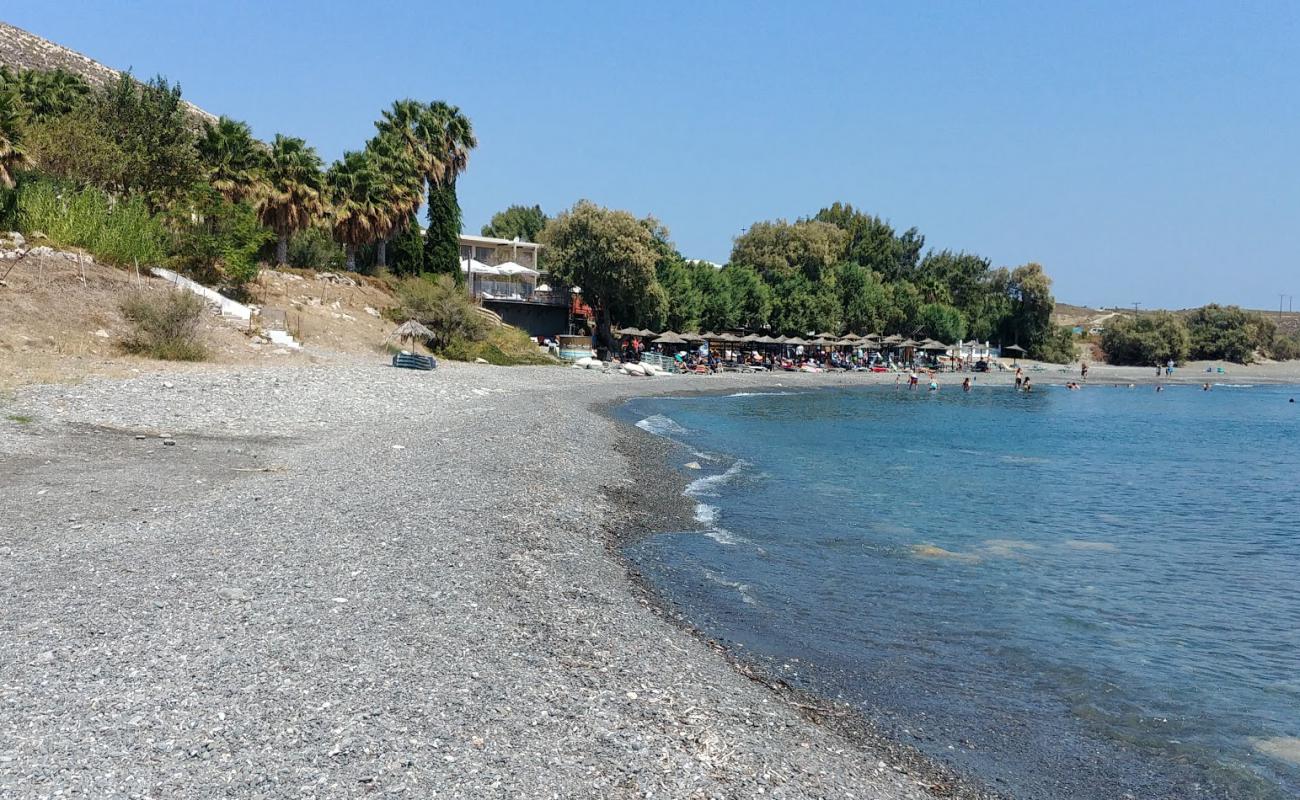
965 386
1159 388
1205 387
934 386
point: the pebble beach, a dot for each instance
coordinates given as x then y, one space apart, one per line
351 580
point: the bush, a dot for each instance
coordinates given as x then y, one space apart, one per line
444 308
166 324
119 232
504 346
217 241
1057 348
1285 348
314 248
1147 339
1229 333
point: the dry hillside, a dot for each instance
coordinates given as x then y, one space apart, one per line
59 319
22 50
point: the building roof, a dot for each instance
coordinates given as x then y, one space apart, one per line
465 237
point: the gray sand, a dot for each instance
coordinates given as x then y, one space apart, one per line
360 581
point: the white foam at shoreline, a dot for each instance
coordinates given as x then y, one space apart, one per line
707 485
660 425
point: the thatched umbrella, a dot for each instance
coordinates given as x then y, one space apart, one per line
646 332
692 337
410 331
892 339
750 338
628 332
1016 351
933 346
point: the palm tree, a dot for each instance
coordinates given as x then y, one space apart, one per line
234 159
455 138
292 197
13 155
401 185
357 211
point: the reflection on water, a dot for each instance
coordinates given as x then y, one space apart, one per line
1073 594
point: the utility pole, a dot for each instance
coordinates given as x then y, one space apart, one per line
1280 297
1135 307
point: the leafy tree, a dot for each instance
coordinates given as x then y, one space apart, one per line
750 296
905 310
778 250
1147 339
74 148
13 154
525 222
314 248
442 306
1030 320
610 255
942 322
406 251
293 196
151 125
801 306
865 301
719 311
234 160
873 243
685 300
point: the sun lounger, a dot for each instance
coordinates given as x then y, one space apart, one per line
413 361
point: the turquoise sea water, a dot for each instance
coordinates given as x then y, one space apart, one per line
1084 594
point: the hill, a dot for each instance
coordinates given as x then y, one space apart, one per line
20 49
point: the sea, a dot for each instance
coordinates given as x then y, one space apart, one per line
1064 594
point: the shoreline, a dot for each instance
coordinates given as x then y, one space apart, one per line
658 508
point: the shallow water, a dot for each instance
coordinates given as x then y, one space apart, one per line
1069 594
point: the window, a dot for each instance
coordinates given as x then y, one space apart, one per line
466 251
484 254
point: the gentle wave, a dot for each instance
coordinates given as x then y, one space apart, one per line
661 425
708 485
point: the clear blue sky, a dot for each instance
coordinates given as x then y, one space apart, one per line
1140 151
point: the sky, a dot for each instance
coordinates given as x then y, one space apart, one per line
1141 152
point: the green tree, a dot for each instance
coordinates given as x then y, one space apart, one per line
356 199
151 125
719 311
406 251
525 222
453 139
865 301
1145 340
293 196
1029 322
751 297
43 94
779 250
685 300
13 154
74 148
873 243
401 187
942 322
610 255
216 239
233 159
800 306
1229 333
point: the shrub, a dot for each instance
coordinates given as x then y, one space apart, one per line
1229 333
1147 339
314 248
1057 348
444 308
166 325
217 240
504 346
119 232
1285 348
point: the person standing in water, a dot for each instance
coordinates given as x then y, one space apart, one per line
965 385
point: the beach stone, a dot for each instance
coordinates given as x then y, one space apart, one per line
234 594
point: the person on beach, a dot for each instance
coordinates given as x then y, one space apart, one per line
1083 370
1169 368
